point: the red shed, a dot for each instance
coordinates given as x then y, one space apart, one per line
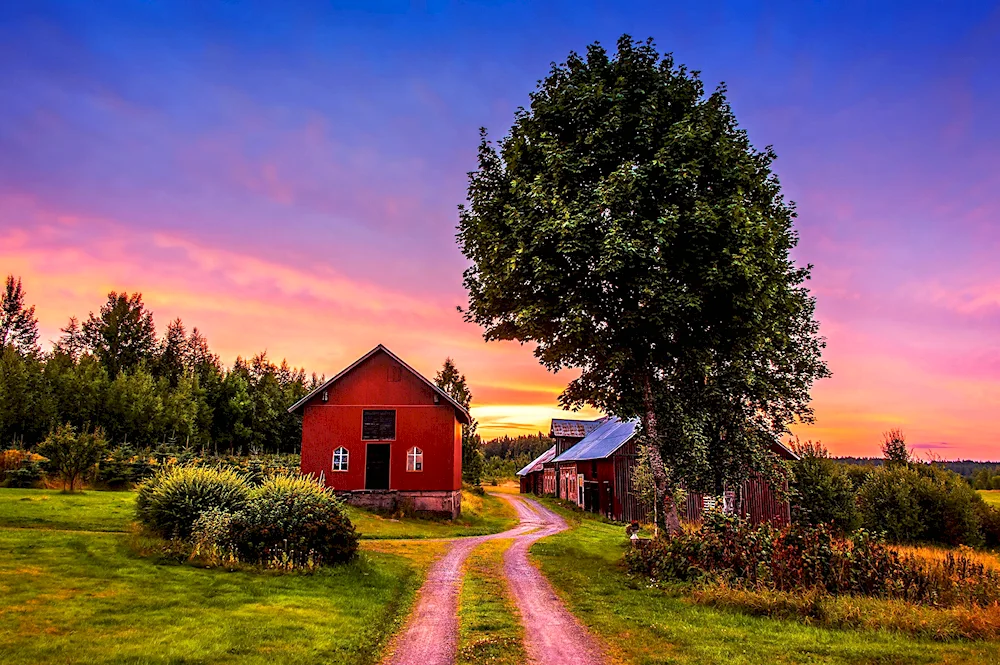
384 436
595 462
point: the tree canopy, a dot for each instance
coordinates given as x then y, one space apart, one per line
113 374
627 227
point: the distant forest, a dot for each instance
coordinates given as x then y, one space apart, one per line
111 371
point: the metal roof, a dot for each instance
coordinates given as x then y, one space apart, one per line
536 464
574 428
602 442
463 413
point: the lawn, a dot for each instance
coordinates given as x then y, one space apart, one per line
481 515
52 509
113 511
647 625
84 597
991 497
72 590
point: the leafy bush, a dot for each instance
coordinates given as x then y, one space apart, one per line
910 503
71 454
797 558
171 502
821 491
296 522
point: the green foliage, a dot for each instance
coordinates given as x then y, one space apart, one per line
450 380
821 490
170 502
919 502
292 522
122 336
27 475
627 227
18 325
72 455
112 373
894 448
798 558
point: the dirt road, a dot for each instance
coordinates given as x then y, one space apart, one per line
552 634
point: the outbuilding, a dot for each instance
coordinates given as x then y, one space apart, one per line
593 463
384 437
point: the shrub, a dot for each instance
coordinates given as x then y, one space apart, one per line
72 455
796 559
26 476
171 502
910 503
295 522
821 491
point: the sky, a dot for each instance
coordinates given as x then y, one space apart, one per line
286 176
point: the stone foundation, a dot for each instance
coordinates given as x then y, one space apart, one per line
445 504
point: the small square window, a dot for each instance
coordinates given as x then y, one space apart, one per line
378 425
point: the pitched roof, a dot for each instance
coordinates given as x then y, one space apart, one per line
783 451
602 442
574 428
536 464
461 411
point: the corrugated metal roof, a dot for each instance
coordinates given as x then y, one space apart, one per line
536 464
602 442
574 428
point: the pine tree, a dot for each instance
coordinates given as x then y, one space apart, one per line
450 380
18 325
71 343
172 362
123 336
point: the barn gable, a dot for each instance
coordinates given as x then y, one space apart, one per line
460 411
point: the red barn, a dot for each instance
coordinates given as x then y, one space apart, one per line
593 462
385 437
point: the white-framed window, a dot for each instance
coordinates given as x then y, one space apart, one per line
340 458
414 459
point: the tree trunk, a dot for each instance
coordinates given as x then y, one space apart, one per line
667 518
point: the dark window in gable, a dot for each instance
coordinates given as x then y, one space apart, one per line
378 425
394 374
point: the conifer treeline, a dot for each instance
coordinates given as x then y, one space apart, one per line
112 371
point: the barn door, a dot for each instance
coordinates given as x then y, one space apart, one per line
377 466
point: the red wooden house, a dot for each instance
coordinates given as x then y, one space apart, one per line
385 437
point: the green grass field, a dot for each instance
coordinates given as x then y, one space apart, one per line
481 515
114 511
71 589
645 625
991 497
489 626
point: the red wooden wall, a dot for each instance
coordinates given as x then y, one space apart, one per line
420 422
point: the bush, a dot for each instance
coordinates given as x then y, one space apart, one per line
295 522
27 475
822 492
71 454
910 503
171 502
796 559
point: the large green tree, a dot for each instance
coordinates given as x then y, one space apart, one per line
627 227
122 336
453 382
